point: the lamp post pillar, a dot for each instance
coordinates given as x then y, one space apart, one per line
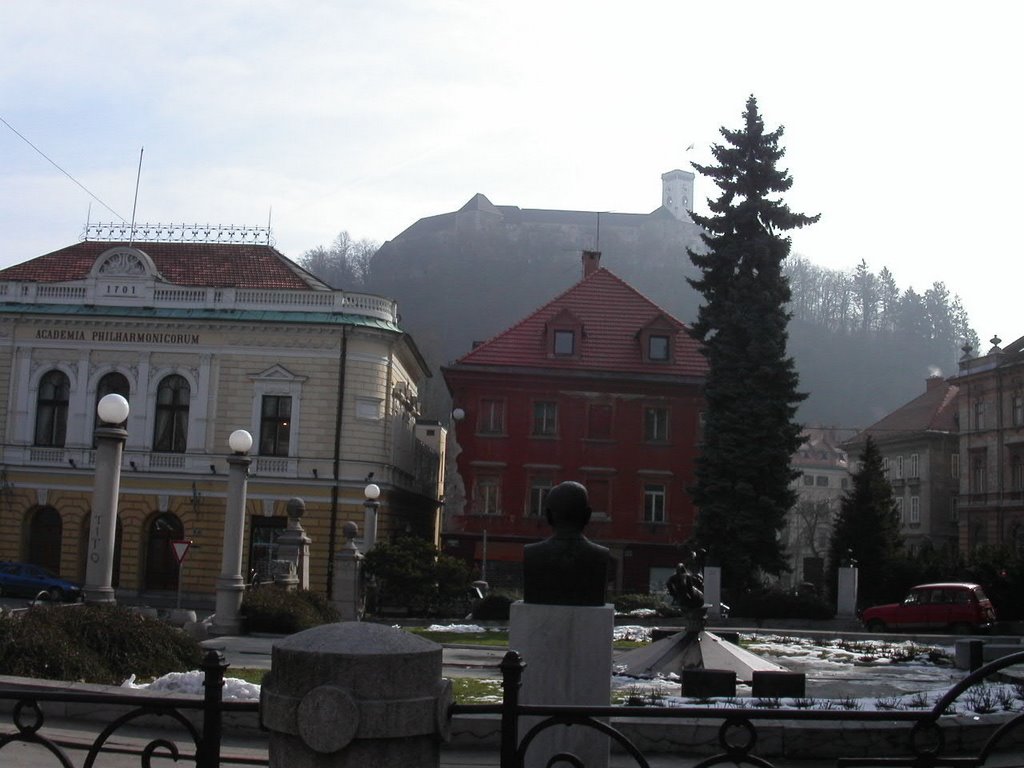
230 584
371 506
110 439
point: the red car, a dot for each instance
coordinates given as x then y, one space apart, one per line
963 608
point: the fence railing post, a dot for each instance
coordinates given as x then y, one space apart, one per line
208 753
512 666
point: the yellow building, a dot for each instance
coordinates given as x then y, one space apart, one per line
205 331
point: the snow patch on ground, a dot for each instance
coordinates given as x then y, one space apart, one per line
463 628
192 683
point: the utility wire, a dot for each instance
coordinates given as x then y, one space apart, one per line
51 162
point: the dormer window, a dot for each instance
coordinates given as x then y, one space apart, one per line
657 347
563 335
657 339
564 342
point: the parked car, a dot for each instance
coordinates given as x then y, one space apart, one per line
961 607
28 580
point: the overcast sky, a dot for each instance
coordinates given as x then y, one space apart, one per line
902 119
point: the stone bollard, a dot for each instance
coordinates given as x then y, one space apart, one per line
355 694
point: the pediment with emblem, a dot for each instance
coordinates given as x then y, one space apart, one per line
125 262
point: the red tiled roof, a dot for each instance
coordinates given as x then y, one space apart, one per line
212 265
934 411
612 313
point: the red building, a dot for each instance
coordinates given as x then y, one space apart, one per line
601 386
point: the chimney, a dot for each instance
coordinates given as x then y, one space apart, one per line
933 381
591 263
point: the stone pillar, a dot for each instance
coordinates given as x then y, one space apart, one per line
99 568
293 544
356 695
230 584
568 655
347 592
846 593
713 591
371 507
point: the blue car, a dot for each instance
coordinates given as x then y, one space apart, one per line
27 580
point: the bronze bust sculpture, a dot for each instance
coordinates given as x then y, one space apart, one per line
567 568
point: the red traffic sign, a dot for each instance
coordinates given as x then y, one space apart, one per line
180 548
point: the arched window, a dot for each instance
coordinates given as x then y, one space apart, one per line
52 410
161 564
45 534
170 434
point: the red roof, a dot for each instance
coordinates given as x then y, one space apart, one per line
612 314
211 265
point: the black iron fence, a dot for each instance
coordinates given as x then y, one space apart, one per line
199 720
913 738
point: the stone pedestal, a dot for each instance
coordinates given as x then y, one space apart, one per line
846 593
355 694
293 545
568 655
713 591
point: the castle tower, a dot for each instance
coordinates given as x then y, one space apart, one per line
677 193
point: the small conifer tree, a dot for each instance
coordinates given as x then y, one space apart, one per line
867 529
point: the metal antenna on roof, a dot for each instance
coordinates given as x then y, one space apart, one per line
597 239
270 216
135 202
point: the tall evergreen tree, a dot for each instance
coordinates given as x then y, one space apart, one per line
743 474
868 528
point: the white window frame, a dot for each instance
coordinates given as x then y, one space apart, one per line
915 510
979 472
492 417
537 496
1016 472
658 416
545 418
899 509
915 466
655 503
276 380
487 496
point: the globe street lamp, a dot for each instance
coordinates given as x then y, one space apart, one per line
112 411
230 584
